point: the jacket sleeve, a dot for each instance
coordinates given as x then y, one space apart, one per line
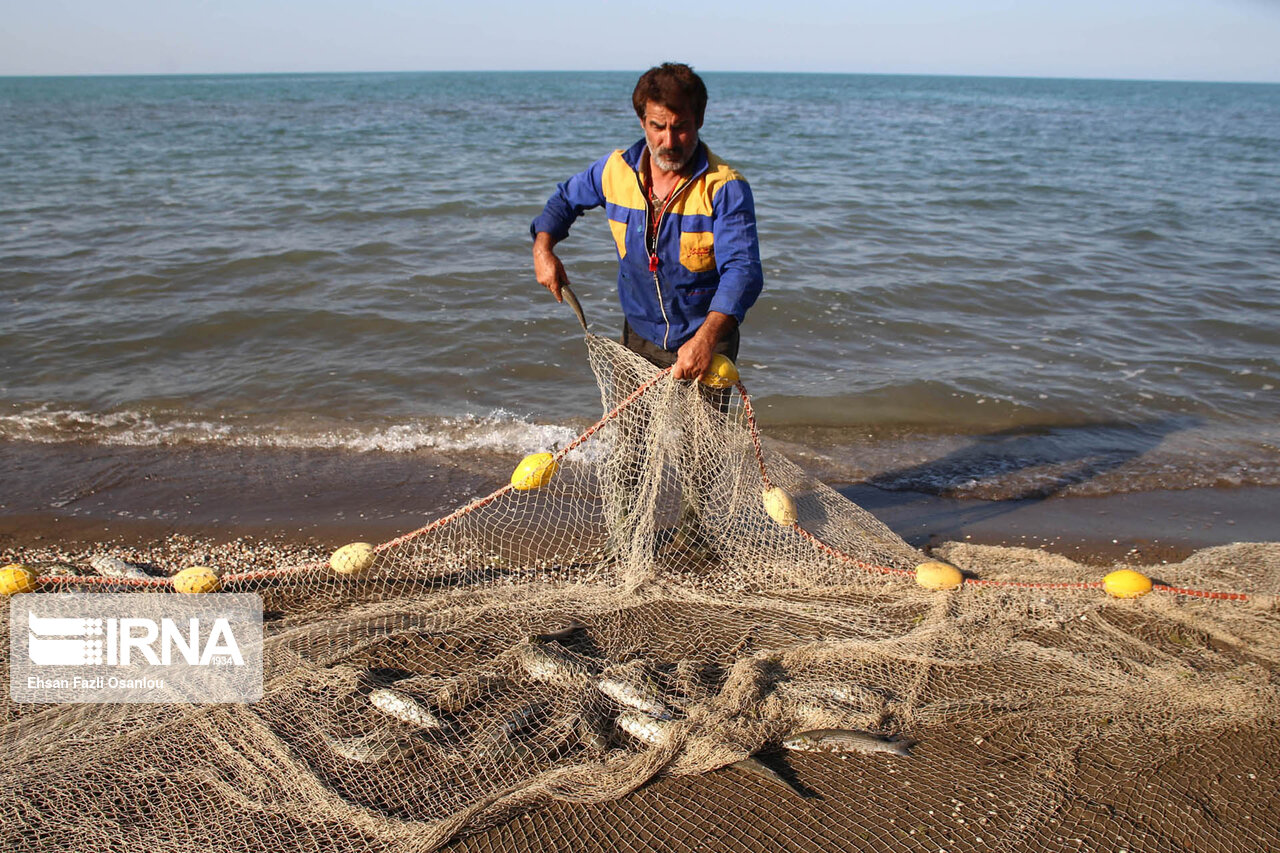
737 250
578 194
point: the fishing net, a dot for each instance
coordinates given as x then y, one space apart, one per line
585 662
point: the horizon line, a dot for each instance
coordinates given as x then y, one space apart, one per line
158 74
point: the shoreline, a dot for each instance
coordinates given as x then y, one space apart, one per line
77 496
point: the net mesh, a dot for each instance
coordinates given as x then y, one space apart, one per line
592 664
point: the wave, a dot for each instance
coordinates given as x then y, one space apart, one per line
959 461
499 431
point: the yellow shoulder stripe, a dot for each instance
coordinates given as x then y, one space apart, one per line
619 183
697 200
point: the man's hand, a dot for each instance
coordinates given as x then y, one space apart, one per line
694 356
547 267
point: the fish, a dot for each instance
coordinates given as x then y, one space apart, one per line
524 717
857 695
631 694
845 740
572 299
811 713
549 665
516 741
404 708
366 748
563 632
114 567
590 734
756 767
821 711
645 728
60 570
458 692
509 752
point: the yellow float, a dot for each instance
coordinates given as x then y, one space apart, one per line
722 373
936 574
1126 583
196 580
352 559
534 471
779 505
16 578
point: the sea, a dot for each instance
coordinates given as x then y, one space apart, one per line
989 288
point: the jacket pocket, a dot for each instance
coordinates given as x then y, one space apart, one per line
619 230
697 251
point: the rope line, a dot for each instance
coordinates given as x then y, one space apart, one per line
94 580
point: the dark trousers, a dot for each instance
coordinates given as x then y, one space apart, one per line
664 358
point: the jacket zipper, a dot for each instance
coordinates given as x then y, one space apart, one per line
653 253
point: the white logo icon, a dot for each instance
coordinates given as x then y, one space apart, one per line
62 641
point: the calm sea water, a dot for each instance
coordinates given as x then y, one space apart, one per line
977 286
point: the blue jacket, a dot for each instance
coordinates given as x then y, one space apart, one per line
708 256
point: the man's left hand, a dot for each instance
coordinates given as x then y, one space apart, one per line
694 356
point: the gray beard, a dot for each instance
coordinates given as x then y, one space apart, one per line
662 159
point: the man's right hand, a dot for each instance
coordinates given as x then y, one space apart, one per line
547 267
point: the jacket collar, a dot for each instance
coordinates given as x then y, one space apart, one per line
632 157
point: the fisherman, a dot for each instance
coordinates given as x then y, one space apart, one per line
684 224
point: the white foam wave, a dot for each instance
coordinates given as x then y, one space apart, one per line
499 431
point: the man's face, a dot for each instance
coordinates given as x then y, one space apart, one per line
672 136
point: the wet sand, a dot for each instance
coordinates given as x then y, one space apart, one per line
85 494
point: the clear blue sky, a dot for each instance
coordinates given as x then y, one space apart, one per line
1142 39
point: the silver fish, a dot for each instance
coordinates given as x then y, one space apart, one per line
114 567
641 697
545 745
811 711
366 748
645 728
756 767
511 752
845 740
549 665
404 708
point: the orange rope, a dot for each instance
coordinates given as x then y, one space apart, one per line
1036 584
273 573
68 580
1200 593
764 476
841 555
755 433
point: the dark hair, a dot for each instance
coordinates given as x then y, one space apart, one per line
672 85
